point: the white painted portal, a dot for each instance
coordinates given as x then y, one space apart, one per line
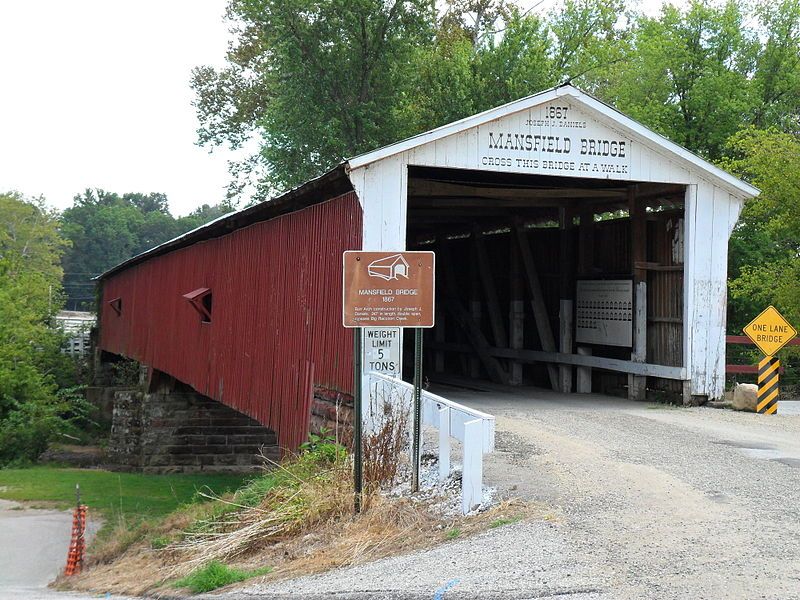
564 132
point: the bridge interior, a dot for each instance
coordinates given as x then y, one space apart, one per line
511 250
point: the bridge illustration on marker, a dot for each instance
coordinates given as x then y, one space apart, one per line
389 267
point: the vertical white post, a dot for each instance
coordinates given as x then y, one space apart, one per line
472 474
637 385
689 253
444 443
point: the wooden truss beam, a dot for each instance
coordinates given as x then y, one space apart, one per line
423 187
489 290
596 362
537 301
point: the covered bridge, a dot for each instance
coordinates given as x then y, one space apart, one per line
576 249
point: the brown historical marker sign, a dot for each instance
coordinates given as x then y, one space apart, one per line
388 289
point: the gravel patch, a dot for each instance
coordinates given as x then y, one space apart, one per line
524 560
442 497
675 503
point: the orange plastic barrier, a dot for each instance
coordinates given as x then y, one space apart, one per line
77 545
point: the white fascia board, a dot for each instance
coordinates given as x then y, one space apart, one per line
650 138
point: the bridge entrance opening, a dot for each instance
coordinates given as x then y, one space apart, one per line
565 283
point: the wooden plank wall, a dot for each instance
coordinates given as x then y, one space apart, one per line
665 294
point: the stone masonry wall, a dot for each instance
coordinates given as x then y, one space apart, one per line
124 445
179 430
333 411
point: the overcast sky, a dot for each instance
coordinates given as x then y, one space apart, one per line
95 93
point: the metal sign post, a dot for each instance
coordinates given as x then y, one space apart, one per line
416 442
358 477
382 290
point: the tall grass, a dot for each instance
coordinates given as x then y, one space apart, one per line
313 488
385 446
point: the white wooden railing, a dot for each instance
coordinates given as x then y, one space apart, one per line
473 428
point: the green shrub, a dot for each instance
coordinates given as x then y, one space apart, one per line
27 430
323 447
216 575
253 492
32 366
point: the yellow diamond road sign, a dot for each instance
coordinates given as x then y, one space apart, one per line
770 331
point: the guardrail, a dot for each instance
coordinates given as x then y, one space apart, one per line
473 428
744 340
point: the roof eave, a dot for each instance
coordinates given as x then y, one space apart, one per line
295 199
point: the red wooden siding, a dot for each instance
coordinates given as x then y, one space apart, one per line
276 324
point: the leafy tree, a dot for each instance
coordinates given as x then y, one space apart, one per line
688 74
202 215
104 230
29 231
477 18
148 203
157 227
321 80
591 42
776 81
698 76
454 78
317 80
765 246
32 366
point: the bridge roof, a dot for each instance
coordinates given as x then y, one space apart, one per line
336 181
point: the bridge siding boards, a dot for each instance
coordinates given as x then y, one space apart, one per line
276 315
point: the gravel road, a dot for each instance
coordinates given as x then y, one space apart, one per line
654 502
